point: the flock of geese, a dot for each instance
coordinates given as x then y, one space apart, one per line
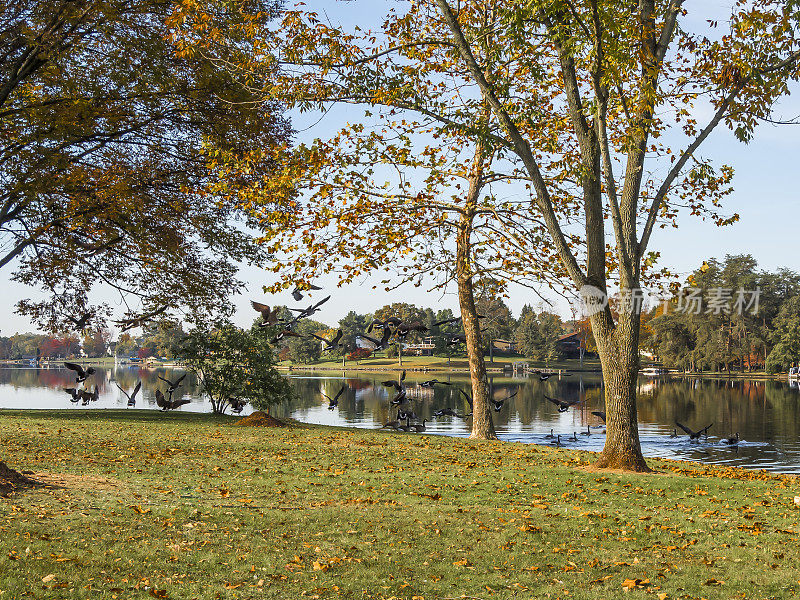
82 392
404 416
392 330
396 330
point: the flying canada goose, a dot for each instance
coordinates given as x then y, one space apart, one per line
398 385
453 320
334 402
173 385
384 324
81 322
310 310
286 332
381 344
693 435
467 396
297 293
331 344
404 328
563 405
432 382
131 397
498 404
268 316
82 374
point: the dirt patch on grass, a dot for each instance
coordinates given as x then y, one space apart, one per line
11 480
260 419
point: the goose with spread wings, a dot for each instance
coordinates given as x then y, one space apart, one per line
694 435
498 404
404 328
237 405
312 309
269 316
432 382
297 292
132 396
563 405
334 402
173 385
75 394
331 344
81 373
81 322
283 334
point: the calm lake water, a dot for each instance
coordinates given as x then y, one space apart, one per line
766 414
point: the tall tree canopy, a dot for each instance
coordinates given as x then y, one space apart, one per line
595 104
105 169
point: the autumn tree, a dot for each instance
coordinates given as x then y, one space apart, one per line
410 188
95 343
621 80
107 123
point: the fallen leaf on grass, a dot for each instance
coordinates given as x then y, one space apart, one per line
630 584
532 528
462 563
139 509
713 582
159 593
603 579
48 578
663 596
320 566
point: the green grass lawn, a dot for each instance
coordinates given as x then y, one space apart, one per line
190 506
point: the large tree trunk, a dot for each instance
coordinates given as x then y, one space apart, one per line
618 347
482 425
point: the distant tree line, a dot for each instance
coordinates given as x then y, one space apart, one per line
728 328
534 334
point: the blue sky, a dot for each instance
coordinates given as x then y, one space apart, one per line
766 197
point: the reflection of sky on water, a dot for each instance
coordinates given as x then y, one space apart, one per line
766 414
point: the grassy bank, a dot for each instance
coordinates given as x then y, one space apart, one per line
189 506
440 363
